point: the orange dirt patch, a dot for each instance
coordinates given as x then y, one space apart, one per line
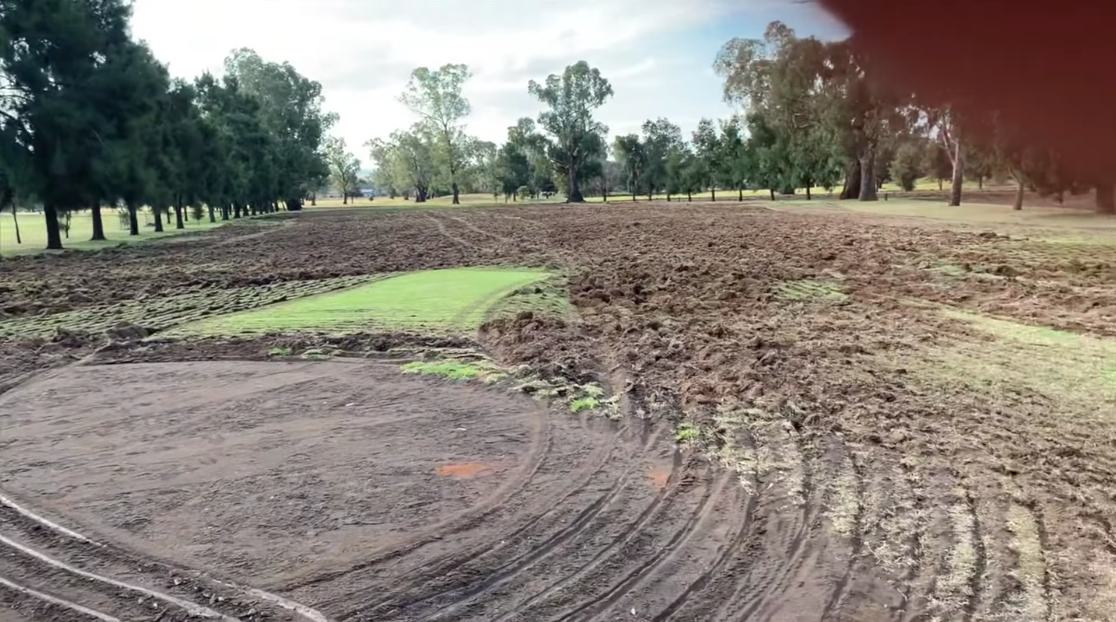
659 477
463 470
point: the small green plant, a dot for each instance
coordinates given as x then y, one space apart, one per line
279 351
454 370
687 433
584 403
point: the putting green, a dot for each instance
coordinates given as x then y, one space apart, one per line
453 300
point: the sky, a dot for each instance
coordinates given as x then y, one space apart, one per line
658 54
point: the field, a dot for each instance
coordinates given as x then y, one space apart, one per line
33 232
728 411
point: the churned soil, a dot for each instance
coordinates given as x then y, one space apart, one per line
824 474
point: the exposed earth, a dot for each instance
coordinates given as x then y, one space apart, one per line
819 415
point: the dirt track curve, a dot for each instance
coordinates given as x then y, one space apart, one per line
372 496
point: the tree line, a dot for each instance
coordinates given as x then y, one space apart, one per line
812 115
90 119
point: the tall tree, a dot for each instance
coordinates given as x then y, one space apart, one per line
409 157
631 156
344 168
50 53
660 136
709 151
575 137
435 96
290 107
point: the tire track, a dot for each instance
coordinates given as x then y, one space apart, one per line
578 529
23 561
542 445
598 605
52 600
419 581
69 566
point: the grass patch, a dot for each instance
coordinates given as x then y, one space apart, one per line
811 290
454 370
687 433
1068 368
548 299
584 403
279 351
439 301
32 229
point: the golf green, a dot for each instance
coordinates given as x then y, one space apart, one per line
452 300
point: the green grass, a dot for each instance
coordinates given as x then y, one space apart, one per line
807 290
687 433
1089 224
454 370
1076 371
440 301
32 228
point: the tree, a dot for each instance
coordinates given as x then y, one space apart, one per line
51 53
408 156
344 168
659 138
710 152
574 136
907 167
632 158
435 96
290 108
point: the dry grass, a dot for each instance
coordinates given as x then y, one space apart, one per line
1069 369
1030 603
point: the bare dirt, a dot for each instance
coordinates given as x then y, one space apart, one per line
827 481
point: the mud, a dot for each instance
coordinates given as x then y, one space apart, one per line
827 482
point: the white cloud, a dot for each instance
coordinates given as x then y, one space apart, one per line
362 51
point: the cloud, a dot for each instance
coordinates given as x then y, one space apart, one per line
362 51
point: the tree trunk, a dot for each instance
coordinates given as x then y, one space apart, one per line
955 184
178 209
650 195
574 194
1106 198
236 210
772 191
1018 192
98 224
212 214
456 193
980 182
868 191
851 190
54 233
808 197
314 199
689 196
713 192
158 219
940 185
740 194
133 219
15 221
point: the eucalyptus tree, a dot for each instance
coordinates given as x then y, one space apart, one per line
435 96
574 138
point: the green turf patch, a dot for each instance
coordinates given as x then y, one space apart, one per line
438 301
811 290
1076 371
